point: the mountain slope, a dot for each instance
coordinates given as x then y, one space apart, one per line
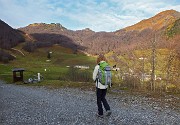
141 34
132 37
135 36
9 37
157 22
54 33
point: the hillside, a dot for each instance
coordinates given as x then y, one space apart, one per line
54 33
165 25
140 35
135 36
157 22
38 61
9 37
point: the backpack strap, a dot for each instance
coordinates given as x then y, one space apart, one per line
97 80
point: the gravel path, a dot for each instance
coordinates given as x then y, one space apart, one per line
21 105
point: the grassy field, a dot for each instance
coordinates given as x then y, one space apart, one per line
37 62
56 71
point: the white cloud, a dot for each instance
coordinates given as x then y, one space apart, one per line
108 15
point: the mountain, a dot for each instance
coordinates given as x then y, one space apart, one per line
9 37
157 22
161 25
164 26
85 40
54 33
135 36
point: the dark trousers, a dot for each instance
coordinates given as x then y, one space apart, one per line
101 93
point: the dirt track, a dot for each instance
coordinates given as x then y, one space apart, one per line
21 105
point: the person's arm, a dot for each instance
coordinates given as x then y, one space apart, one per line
95 72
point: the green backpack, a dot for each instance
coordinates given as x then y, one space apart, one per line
104 73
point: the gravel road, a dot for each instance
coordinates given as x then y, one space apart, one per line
22 105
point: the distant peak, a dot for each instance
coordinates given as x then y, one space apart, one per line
156 22
87 29
36 24
169 12
58 25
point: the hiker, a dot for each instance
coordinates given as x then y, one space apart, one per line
101 89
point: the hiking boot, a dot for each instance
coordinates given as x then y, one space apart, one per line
108 112
100 116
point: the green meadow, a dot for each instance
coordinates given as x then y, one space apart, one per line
54 70
59 69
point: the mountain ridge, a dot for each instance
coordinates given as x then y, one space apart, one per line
156 22
9 37
103 42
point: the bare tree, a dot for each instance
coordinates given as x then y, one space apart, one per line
153 57
171 64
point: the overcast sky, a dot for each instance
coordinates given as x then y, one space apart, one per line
98 15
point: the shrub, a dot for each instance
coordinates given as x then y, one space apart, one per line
29 47
171 88
131 82
77 75
5 57
43 44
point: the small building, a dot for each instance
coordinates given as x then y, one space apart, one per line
81 67
18 74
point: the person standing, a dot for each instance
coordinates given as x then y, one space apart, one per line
101 89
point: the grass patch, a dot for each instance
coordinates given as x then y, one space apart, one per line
55 84
36 62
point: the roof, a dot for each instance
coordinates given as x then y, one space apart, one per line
18 69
